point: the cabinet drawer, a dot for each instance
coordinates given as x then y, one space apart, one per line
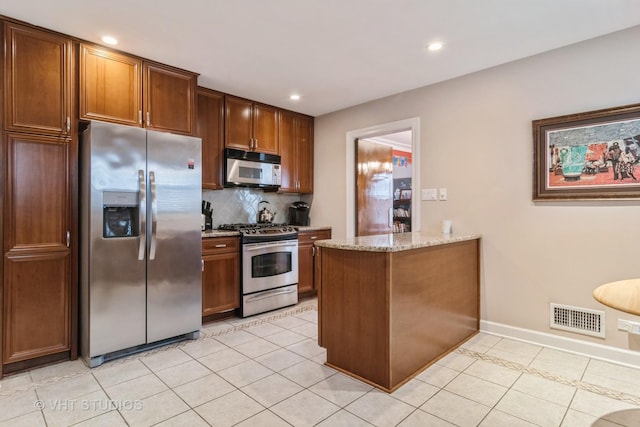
214 245
308 237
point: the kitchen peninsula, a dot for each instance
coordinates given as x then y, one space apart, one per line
391 305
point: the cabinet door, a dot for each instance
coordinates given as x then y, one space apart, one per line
306 254
210 127
304 153
220 283
296 151
110 86
238 123
38 81
169 99
36 305
305 268
265 129
288 157
37 264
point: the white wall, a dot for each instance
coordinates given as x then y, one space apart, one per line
476 140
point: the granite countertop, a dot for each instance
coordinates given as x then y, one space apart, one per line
395 242
311 227
228 233
220 233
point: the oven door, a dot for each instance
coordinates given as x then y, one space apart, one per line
269 265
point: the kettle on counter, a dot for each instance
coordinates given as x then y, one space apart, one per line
265 215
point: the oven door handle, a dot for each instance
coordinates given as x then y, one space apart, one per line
272 293
259 246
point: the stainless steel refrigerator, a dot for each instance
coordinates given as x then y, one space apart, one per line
141 271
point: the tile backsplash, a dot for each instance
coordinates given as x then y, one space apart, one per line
240 205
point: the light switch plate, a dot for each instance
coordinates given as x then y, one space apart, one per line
429 194
442 194
629 326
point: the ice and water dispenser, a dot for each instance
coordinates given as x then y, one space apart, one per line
120 213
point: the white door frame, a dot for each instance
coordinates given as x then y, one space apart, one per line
412 124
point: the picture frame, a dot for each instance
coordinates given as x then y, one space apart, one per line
587 156
405 194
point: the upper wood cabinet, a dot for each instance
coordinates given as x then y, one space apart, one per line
110 86
169 99
119 88
38 81
296 150
210 128
251 126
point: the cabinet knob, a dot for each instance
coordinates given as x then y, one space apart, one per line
148 118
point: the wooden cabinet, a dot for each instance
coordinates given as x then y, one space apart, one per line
110 86
169 99
306 253
40 290
38 81
39 168
120 88
296 151
221 275
384 316
251 126
210 127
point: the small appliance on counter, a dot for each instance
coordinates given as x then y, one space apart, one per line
299 213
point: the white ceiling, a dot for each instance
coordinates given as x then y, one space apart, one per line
334 53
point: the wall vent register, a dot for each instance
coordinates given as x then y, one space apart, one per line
575 319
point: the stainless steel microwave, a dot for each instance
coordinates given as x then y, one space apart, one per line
252 169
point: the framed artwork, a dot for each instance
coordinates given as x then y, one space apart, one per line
592 155
405 194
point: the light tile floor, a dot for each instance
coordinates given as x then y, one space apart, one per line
268 371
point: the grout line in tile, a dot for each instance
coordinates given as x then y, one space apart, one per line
203 336
582 385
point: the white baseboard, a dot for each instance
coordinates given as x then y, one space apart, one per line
585 348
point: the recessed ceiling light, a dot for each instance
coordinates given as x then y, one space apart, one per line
434 46
110 40
294 97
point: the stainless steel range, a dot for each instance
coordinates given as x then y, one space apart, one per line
269 278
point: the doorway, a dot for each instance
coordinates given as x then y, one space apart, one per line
410 198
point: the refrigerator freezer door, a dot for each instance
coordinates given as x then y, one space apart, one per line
113 279
174 276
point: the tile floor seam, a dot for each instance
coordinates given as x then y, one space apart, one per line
578 384
203 335
41 380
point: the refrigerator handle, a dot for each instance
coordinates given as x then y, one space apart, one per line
154 214
142 223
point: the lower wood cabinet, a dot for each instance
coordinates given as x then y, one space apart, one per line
306 252
221 275
39 292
